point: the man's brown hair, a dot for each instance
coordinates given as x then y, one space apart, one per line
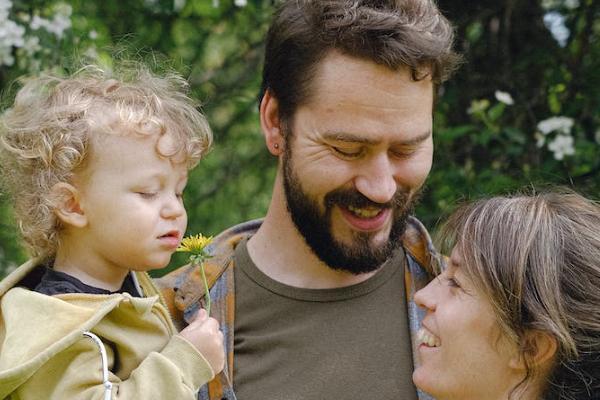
395 33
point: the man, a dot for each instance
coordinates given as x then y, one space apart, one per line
316 299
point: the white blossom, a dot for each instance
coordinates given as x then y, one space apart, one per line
93 34
91 53
32 45
58 24
504 97
24 17
37 22
5 6
11 35
555 22
178 5
556 124
561 146
550 4
6 57
554 4
571 4
540 139
240 3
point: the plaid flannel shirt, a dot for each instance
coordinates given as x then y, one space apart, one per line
183 291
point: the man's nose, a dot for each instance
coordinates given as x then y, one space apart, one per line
376 179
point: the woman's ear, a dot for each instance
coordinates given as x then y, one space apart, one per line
270 123
538 349
67 205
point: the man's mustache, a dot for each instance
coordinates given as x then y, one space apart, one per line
352 198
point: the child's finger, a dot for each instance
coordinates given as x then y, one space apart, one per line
200 316
212 324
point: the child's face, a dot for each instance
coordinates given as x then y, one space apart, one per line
132 198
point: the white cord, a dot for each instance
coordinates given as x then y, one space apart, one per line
105 382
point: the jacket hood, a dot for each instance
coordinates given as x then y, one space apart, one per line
31 334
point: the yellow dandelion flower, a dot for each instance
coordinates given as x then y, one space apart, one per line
194 244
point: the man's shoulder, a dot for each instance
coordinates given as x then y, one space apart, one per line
185 286
418 244
221 249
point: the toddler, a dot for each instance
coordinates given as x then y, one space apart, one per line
96 165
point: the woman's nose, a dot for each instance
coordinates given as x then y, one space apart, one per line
426 297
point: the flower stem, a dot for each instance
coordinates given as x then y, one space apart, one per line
206 292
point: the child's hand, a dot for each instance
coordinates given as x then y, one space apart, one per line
205 335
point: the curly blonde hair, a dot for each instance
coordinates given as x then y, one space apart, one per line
45 137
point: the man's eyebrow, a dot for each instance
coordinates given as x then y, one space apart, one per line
416 140
352 138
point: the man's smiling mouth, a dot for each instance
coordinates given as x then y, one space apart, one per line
365 212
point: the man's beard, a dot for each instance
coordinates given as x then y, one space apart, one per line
316 227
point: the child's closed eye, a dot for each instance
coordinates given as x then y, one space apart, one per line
147 194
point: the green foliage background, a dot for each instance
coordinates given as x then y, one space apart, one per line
483 146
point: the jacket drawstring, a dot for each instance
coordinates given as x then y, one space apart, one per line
105 382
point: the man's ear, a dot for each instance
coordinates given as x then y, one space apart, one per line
270 122
67 207
538 349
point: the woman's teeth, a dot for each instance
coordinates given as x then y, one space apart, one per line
427 338
368 212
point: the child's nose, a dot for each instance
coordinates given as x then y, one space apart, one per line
173 207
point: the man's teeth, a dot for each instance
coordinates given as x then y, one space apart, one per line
368 212
427 338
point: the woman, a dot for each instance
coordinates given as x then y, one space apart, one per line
516 312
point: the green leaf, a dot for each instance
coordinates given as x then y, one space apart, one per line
205 8
452 133
496 111
554 103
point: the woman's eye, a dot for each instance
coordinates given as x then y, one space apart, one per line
452 282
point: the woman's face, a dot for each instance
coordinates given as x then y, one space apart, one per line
462 354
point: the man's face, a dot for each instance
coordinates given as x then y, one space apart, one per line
357 154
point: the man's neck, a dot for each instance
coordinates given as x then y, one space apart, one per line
279 251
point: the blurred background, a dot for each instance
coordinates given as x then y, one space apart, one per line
523 111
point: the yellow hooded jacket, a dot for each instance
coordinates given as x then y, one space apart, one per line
45 355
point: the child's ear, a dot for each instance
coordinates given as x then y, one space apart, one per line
270 122
538 349
67 206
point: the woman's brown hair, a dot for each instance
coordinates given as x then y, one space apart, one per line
536 258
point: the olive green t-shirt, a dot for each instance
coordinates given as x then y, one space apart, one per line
321 344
